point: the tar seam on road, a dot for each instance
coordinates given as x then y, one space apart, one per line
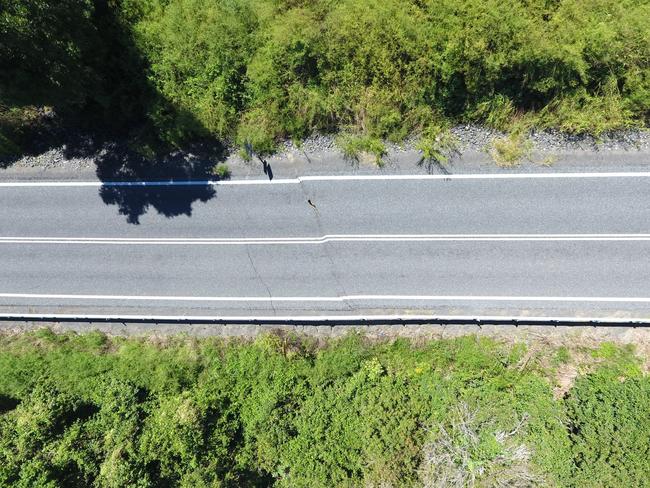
342 298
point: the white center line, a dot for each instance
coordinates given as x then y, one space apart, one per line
239 241
341 298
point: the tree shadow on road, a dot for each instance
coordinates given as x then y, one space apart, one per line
166 197
119 120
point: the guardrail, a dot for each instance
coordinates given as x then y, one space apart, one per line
333 320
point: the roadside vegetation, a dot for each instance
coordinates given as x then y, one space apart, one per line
510 150
355 147
253 72
89 410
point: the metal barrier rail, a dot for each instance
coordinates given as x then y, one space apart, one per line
333 320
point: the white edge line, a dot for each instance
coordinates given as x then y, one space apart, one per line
326 236
477 176
278 243
284 181
343 298
322 318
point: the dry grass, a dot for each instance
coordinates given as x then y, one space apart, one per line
454 458
509 151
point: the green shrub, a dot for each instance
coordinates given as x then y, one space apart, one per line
586 114
198 51
437 144
610 427
7 146
497 113
15 125
257 133
222 171
257 71
89 410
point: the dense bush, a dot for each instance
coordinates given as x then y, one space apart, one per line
91 411
610 404
258 70
73 58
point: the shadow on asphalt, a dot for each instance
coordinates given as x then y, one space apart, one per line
116 162
114 165
268 171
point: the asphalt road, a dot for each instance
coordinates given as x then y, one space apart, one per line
565 246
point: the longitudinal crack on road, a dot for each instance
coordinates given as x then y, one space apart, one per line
328 251
259 277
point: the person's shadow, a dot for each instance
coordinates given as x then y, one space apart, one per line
268 171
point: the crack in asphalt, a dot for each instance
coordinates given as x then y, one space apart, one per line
327 245
259 276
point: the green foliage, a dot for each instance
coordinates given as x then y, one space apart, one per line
362 426
198 51
256 133
74 60
354 146
42 50
610 428
562 355
583 113
255 71
11 121
437 144
222 171
82 410
497 112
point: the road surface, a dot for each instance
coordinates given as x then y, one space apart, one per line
565 245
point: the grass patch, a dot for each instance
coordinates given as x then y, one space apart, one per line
221 171
511 150
354 147
437 145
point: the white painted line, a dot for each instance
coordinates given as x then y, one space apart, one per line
480 176
301 179
322 318
246 241
342 298
170 298
140 184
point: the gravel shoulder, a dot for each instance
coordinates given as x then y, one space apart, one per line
549 152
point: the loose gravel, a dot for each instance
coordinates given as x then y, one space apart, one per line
470 138
476 138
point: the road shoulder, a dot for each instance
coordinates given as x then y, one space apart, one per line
549 153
